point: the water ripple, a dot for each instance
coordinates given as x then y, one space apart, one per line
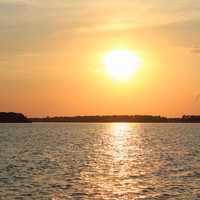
100 161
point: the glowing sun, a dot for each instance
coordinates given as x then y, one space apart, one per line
121 64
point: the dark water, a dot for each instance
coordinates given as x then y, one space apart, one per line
100 161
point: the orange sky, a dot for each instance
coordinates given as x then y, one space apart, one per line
51 57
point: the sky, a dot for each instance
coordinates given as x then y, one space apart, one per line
51 56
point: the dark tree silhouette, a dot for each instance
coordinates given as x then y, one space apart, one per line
13 118
121 118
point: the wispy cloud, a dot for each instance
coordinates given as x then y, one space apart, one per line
197 99
195 49
24 23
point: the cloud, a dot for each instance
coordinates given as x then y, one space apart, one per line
197 99
27 23
195 50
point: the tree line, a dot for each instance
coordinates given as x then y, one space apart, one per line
12 117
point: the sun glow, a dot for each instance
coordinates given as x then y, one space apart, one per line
121 64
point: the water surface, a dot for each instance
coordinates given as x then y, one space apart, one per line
99 161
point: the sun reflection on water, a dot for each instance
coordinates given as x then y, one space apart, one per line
110 171
120 134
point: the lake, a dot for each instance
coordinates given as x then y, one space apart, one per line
58 161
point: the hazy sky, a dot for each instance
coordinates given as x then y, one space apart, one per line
51 56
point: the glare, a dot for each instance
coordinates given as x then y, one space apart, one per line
121 64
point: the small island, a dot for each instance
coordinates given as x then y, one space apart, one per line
11 117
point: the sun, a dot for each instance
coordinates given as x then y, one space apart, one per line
121 64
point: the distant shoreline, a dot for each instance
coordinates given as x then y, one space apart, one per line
119 119
21 118
115 122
